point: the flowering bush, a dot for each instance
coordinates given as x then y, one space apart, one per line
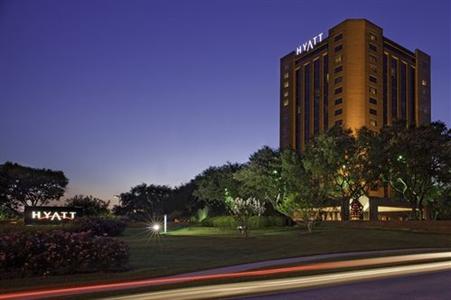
242 209
99 226
58 252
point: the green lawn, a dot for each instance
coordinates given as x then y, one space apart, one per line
197 248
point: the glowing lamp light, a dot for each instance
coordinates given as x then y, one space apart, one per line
156 227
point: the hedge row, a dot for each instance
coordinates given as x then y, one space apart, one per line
255 222
99 226
57 252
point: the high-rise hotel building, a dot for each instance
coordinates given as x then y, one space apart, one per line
354 77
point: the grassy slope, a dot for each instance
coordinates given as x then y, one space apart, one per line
192 249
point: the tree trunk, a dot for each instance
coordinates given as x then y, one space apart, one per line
309 226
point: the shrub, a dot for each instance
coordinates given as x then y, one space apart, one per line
99 226
254 222
58 252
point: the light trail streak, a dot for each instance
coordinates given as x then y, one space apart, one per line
107 287
265 286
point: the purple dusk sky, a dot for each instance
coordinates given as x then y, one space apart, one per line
116 93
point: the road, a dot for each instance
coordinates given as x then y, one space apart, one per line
373 270
419 287
281 286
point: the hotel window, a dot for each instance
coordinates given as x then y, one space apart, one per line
338 101
373 59
316 95
412 95
338 59
285 102
338 37
373 101
373 69
338 79
338 69
338 90
339 122
285 76
285 84
285 94
373 79
373 37
338 48
338 112
373 123
298 98
424 83
384 91
373 91
373 111
325 92
403 90
372 47
394 88
307 93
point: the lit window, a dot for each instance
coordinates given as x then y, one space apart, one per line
285 102
285 75
338 112
373 91
285 94
373 111
299 109
338 59
286 84
373 37
424 83
373 123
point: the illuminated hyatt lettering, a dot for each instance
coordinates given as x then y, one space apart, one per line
48 215
52 216
310 44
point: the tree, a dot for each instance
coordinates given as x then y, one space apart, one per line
89 205
182 202
26 186
417 163
243 209
304 192
258 177
212 183
282 180
143 201
349 162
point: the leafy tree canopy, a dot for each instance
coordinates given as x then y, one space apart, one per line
26 186
89 205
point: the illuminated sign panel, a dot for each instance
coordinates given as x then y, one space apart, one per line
47 215
310 44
